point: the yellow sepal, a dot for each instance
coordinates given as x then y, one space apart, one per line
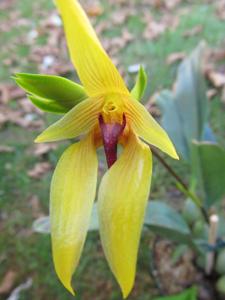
145 126
72 195
95 69
122 200
79 120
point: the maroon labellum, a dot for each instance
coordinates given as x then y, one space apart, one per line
110 136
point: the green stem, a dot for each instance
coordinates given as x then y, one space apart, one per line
182 186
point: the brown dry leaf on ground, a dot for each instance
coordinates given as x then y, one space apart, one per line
114 45
153 29
6 149
171 21
51 58
41 149
171 4
101 27
26 116
28 107
156 28
9 92
211 93
122 13
4 93
93 8
7 282
6 4
214 71
223 95
193 31
216 78
174 57
220 9
158 4
16 92
34 202
162 4
174 277
12 15
217 54
39 170
118 17
26 121
8 115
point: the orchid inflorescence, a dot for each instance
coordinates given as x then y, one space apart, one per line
107 114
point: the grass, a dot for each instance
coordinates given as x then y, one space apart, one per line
29 253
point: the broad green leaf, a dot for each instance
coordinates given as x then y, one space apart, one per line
159 217
191 211
221 229
220 285
209 168
171 121
140 85
42 224
208 134
185 111
58 93
165 221
191 96
188 294
200 246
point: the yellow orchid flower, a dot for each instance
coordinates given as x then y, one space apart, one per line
109 116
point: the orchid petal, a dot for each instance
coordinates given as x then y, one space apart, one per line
79 120
123 196
72 194
144 125
95 69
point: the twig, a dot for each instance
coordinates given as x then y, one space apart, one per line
213 228
182 185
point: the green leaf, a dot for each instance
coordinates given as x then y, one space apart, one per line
188 294
171 121
209 168
185 111
165 221
41 225
221 229
140 85
220 285
51 93
160 218
208 135
191 94
48 105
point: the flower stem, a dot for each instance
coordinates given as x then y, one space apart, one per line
181 184
213 231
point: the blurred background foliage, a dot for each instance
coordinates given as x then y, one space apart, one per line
159 35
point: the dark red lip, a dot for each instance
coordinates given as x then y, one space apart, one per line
110 135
